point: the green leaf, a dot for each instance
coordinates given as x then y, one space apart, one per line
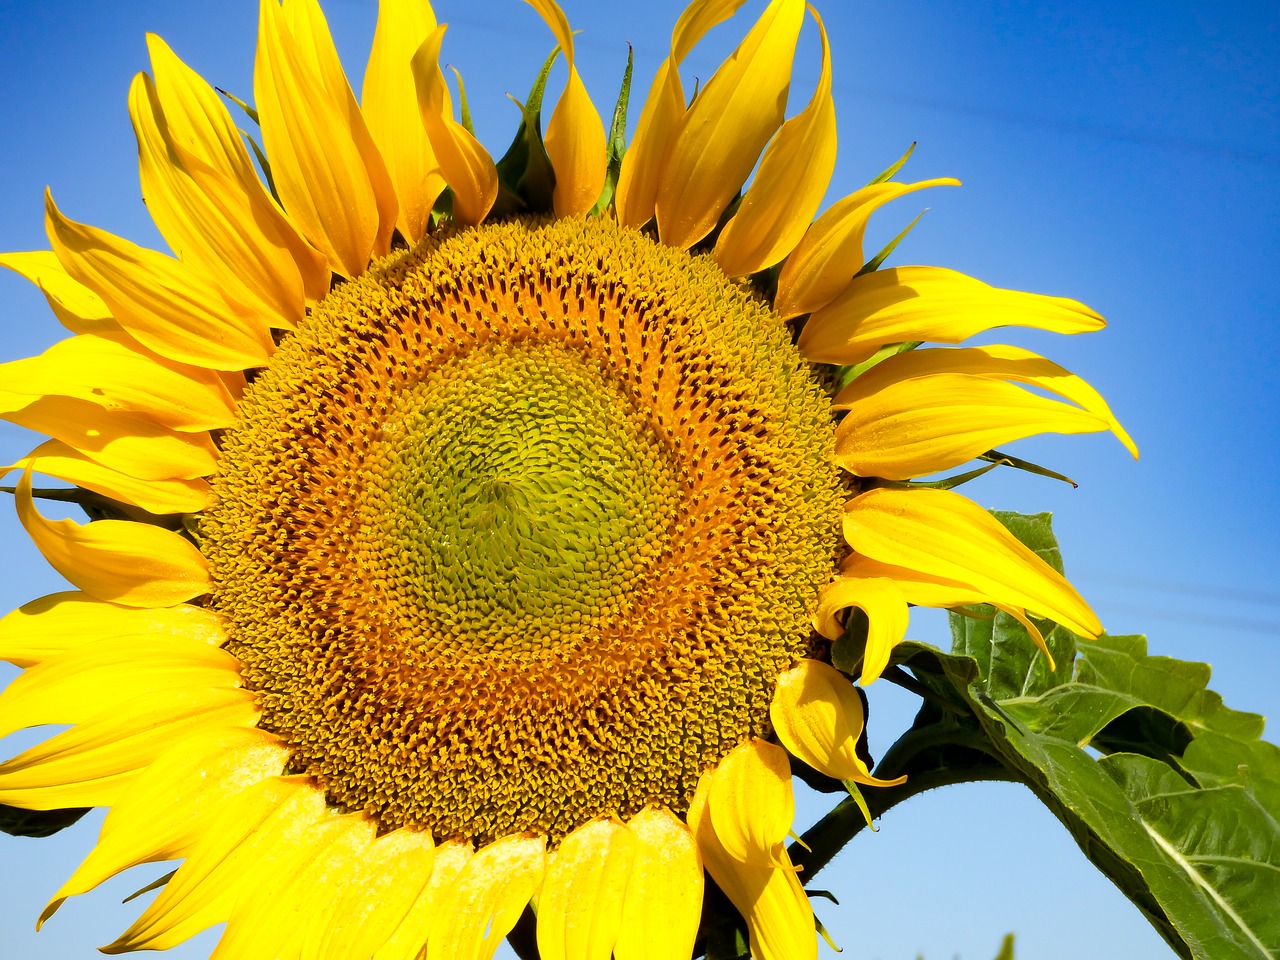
1180 812
887 175
37 823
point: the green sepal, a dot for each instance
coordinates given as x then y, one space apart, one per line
1003 459
18 822
887 175
846 375
617 144
822 932
264 166
525 169
251 113
874 263
948 483
464 109
155 884
98 507
847 652
856 795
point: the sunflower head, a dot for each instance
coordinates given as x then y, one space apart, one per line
472 533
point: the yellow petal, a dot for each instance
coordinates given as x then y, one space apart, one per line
580 905
393 873
213 152
942 534
831 252
161 814
663 900
789 185
276 913
646 157
214 228
996 362
428 909
487 899
60 622
135 564
168 306
76 686
250 834
464 163
923 590
390 105
885 606
133 445
326 168
928 303
55 459
723 132
819 717
92 764
77 307
575 134
910 428
752 805
122 380
770 898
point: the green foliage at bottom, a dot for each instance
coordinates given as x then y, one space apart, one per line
1171 794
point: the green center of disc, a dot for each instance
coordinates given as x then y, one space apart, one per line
518 497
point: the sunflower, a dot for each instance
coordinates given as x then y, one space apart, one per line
472 534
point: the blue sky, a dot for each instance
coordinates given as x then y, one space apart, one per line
1127 155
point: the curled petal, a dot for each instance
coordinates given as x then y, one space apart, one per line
136 564
769 897
575 138
831 252
211 221
464 163
789 185
944 535
928 303
885 606
390 105
645 161
723 132
752 805
819 717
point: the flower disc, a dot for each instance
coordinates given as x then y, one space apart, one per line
522 526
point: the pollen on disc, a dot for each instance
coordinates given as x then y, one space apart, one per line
521 526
